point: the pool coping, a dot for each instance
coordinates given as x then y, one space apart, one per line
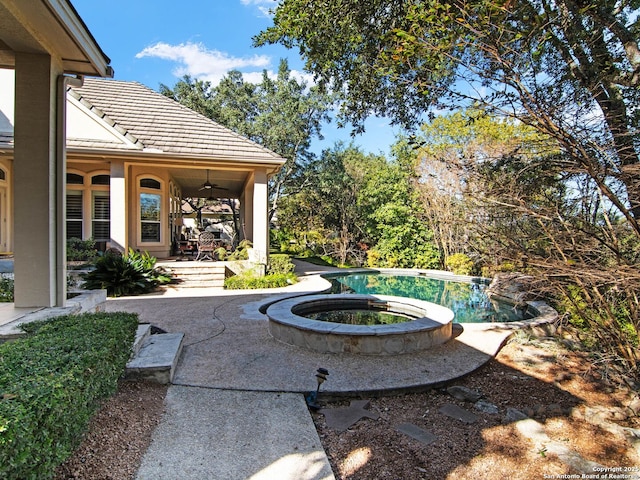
431 326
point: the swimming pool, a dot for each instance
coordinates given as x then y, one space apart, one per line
468 300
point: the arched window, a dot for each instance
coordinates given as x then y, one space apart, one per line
3 174
75 179
150 183
150 210
100 179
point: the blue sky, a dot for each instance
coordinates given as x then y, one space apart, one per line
159 41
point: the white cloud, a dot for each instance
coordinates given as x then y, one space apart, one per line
266 7
196 60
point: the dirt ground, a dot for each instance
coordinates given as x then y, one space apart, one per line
579 409
118 435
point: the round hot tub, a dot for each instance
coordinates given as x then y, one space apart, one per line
407 326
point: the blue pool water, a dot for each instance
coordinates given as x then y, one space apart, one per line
468 301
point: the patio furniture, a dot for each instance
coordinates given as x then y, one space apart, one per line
206 246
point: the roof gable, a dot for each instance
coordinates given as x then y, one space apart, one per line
87 127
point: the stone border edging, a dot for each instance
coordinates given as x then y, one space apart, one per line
432 325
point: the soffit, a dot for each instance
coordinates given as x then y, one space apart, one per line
226 184
50 27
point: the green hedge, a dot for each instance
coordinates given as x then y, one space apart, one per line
6 289
51 383
280 264
244 281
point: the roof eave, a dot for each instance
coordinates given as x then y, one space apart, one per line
50 27
78 31
177 158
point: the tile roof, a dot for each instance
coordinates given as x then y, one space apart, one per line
155 122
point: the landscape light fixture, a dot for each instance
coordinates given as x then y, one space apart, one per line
312 398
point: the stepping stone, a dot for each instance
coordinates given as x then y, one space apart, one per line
463 393
458 413
417 433
514 415
342 418
486 407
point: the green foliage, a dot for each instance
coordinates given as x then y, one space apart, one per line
373 258
323 261
280 264
241 252
52 382
81 250
459 263
249 281
6 289
531 60
613 325
221 253
130 274
353 203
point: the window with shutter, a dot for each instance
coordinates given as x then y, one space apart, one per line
100 229
74 214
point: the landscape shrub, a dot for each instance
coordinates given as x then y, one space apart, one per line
373 257
81 250
324 260
280 264
221 253
6 289
51 383
242 251
459 263
129 274
604 316
249 281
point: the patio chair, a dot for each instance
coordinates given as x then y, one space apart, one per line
206 246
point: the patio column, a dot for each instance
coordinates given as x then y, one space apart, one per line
260 217
38 218
246 204
118 206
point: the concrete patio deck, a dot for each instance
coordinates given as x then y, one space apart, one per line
227 346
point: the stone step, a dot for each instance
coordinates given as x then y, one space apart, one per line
202 277
157 358
143 332
198 270
210 284
198 275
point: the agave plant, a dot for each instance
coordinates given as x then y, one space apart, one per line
129 274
